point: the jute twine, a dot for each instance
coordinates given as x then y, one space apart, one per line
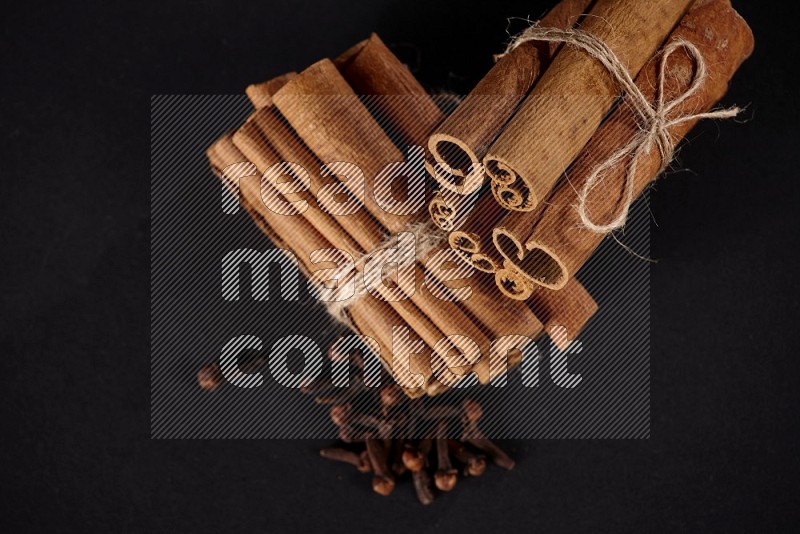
655 120
427 237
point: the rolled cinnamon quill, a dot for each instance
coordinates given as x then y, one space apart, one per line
348 211
474 237
487 321
406 110
328 116
260 94
463 138
256 149
334 210
568 309
449 210
221 169
508 318
551 244
576 91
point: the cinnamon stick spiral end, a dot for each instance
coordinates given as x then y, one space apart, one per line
508 187
513 284
485 263
455 165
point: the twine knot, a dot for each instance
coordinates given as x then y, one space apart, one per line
427 238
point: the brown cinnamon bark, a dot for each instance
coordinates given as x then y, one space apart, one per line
218 167
318 128
464 137
375 318
255 148
474 237
326 113
358 225
571 308
488 320
405 108
550 245
449 210
267 139
260 94
576 91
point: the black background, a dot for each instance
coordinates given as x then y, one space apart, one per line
77 81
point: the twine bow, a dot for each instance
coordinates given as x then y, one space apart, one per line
655 120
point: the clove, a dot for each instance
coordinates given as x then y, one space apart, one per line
422 480
210 377
383 480
398 449
474 464
473 435
446 476
360 461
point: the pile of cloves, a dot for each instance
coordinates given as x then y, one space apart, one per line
390 459
385 433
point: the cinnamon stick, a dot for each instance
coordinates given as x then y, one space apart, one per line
407 111
489 321
267 137
219 167
474 237
449 210
326 113
463 138
256 149
570 308
565 108
337 202
549 246
260 94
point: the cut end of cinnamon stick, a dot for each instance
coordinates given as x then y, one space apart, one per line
454 165
260 94
508 188
507 244
538 263
464 241
441 213
513 284
485 263
544 267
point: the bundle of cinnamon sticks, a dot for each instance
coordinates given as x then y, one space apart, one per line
332 162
